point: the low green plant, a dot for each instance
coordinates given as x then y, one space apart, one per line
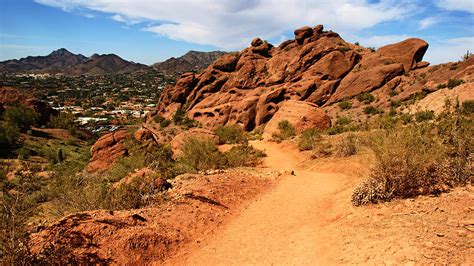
286 131
309 139
242 155
371 110
200 154
417 159
346 146
345 105
20 117
468 107
452 83
365 98
426 115
232 134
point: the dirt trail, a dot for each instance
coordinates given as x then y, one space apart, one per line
284 226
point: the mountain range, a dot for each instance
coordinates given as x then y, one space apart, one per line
191 61
64 62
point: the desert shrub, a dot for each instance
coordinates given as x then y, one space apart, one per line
23 153
426 115
342 124
232 134
392 93
200 154
344 49
371 110
406 118
162 121
422 158
139 193
19 200
286 131
180 118
64 121
9 135
257 133
323 149
123 166
161 160
343 120
468 107
242 155
346 146
309 139
20 117
454 83
395 104
441 86
365 98
345 105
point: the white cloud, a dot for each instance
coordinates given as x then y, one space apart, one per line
230 24
449 50
428 22
456 5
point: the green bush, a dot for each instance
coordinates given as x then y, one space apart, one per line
232 134
365 98
286 131
243 155
64 120
9 136
200 154
468 107
422 158
180 118
163 121
454 83
370 110
19 202
346 146
309 139
345 105
20 117
421 116
406 118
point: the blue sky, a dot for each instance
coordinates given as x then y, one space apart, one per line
148 31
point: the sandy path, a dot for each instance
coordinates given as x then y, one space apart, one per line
286 225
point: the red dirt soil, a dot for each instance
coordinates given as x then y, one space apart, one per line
306 218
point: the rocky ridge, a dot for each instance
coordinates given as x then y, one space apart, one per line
319 67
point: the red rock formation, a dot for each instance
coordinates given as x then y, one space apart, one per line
302 115
12 96
248 88
107 150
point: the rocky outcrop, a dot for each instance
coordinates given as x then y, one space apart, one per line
12 96
408 52
302 115
106 150
319 67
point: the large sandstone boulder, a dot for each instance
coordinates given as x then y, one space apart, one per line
408 52
106 150
302 115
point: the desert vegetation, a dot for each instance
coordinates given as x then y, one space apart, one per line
420 158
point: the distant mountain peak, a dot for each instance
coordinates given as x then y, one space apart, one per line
61 52
190 61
